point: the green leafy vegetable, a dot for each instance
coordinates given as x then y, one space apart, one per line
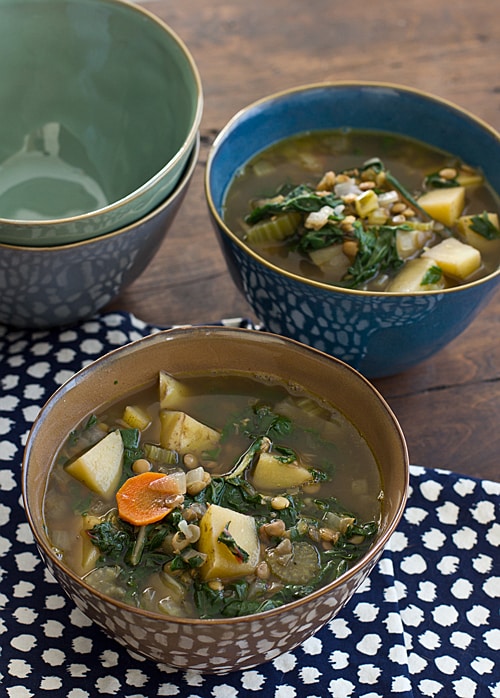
227 539
112 540
482 225
242 597
432 276
328 235
378 166
132 450
377 252
436 181
260 424
265 422
181 562
75 435
131 554
376 244
286 455
302 198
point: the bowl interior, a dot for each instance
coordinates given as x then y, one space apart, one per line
97 96
369 106
205 349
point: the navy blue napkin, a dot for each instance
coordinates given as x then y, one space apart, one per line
425 623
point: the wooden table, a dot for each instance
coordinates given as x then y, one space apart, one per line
449 406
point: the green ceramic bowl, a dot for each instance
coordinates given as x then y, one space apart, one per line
101 103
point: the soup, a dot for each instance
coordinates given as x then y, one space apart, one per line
367 210
213 496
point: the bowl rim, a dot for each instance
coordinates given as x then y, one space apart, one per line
182 183
154 179
371 556
314 283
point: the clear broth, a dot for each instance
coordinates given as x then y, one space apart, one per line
304 158
323 438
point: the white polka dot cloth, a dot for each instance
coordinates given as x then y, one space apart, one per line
425 623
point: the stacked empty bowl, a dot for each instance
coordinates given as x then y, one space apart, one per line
101 105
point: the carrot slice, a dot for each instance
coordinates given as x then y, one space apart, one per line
147 498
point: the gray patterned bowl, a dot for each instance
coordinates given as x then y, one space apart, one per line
215 645
44 287
101 103
378 333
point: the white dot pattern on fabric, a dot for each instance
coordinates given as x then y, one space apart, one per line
425 623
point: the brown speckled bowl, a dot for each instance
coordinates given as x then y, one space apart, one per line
216 646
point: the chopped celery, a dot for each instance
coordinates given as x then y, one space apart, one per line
157 454
366 203
274 229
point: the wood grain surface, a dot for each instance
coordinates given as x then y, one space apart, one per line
449 406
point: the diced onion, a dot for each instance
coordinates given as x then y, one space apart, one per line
388 197
344 188
317 219
180 478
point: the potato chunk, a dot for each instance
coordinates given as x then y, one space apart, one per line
171 391
454 257
470 179
271 474
331 260
470 237
226 561
100 467
444 205
409 242
185 434
409 279
90 553
136 417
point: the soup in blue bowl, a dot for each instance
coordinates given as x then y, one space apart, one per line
359 218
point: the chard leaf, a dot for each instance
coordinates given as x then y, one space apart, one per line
377 252
112 540
265 422
226 538
75 434
432 276
302 198
228 602
437 182
377 165
482 225
324 237
179 562
284 454
132 450
233 493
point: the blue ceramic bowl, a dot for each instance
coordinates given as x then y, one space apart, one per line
382 333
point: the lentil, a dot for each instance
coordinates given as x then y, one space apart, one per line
191 461
141 465
279 503
448 173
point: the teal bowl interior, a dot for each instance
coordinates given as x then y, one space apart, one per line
378 333
100 104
